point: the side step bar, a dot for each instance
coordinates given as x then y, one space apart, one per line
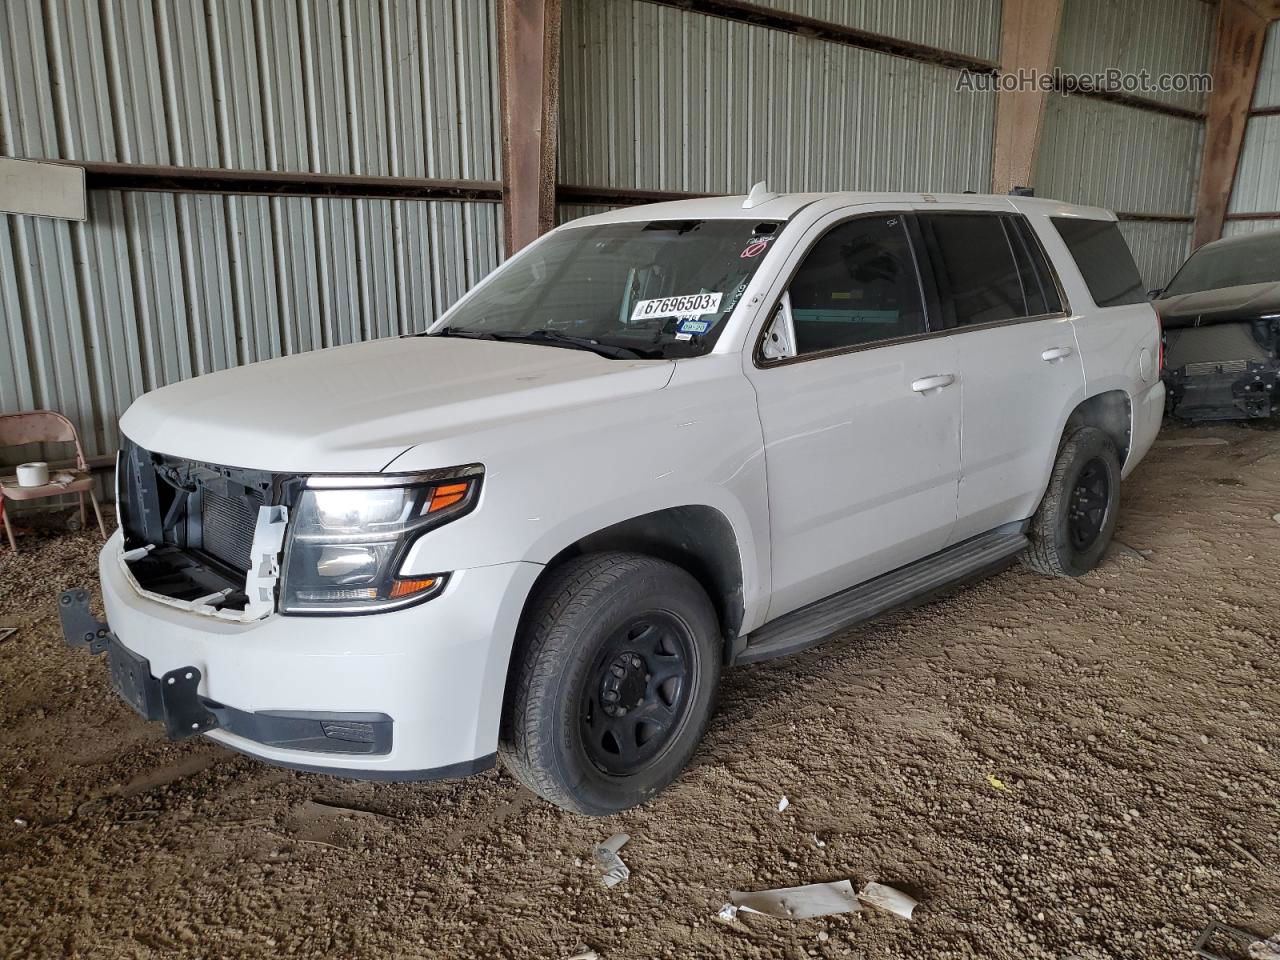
810 625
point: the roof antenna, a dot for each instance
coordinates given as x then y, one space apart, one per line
759 194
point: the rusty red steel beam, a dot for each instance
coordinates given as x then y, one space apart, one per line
1237 56
529 90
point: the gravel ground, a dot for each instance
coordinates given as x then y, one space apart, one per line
1130 720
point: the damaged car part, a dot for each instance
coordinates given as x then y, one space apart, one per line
1221 319
173 698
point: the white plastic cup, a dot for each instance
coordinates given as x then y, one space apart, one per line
33 474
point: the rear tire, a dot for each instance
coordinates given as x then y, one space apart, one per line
612 682
1072 529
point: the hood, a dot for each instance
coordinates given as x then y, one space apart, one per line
359 407
1224 305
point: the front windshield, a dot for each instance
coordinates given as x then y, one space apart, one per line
659 288
1255 260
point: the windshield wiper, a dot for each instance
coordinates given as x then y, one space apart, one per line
458 332
556 339
552 338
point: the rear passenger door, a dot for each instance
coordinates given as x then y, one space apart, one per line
1017 355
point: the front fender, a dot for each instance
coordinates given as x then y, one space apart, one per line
550 483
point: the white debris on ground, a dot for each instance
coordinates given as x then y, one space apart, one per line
818 900
607 859
797 903
888 898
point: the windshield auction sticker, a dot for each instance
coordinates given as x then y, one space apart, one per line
692 305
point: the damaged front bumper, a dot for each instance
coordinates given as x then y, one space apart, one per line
170 699
173 698
410 694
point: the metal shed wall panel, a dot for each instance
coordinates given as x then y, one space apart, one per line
1159 36
1267 92
400 87
1118 157
959 26
1240 228
572 211
1257 186
658 98
154 288
1158 248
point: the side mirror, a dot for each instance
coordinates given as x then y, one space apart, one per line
780 334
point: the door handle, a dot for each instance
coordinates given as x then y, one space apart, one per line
1056 353
925 384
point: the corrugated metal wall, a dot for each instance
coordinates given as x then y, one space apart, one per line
1159 36
960 26
1257 185
157 287
1240 228
1117 156
1267 92
659 98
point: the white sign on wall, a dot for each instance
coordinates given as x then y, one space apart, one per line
41 189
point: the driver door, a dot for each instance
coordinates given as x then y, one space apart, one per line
860 414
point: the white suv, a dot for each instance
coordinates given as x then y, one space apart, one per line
656 443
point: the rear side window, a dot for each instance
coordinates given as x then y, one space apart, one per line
1104 260
973 259
857 285
1038 279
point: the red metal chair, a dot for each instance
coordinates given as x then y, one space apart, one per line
45 426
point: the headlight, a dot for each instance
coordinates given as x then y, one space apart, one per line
349 535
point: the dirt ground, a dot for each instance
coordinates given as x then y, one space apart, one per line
1131 721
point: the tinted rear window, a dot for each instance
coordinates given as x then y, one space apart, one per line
976 269
1104 260
1042 285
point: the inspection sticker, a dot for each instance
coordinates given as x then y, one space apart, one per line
692 305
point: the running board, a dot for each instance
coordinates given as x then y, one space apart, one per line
811 625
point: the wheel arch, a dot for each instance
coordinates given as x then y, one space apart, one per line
698 538
1111 412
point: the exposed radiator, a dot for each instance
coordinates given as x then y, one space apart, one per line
1210 345
1208 369
228 524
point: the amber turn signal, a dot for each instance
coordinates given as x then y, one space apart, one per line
412 585
447 495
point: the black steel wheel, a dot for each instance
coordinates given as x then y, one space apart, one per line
637 693
1072 528
1090 500
611 683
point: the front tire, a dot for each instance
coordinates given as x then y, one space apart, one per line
1072 529
612 682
